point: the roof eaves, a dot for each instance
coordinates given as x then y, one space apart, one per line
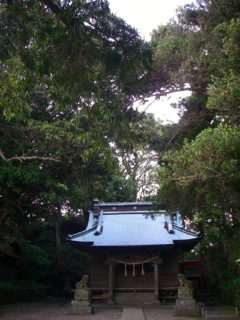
191 233
167 245
80 234
124 204
147 212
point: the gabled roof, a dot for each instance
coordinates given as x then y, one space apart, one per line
132 224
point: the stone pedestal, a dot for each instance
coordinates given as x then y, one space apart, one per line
185 304
82 294
186 308
81 303
185 293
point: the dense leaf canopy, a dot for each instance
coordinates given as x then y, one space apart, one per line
69 74
199 173
66 68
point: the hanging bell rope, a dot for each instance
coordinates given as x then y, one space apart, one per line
142 270
134 274
125 271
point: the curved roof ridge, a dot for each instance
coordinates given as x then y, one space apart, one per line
81 233
192 233
146 212
118 204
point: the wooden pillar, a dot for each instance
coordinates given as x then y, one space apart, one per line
156 281
111 282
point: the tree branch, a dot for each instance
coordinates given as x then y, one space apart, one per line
56 10
23 158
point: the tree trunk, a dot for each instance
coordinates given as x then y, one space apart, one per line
3 215
58 237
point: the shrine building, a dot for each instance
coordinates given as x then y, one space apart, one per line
134 250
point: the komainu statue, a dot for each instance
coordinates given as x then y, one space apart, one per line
83 282
184 282
185 291
82 298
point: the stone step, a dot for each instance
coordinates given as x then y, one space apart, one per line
132 313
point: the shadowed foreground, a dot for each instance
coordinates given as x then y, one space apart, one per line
59 309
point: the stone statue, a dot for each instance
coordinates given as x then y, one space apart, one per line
185 304
83 282
82 298
184 282
185 291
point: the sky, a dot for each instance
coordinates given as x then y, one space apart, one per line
146 16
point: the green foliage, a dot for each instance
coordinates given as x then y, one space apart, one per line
35 255
29 285
119 189
75 260
191 255
70 72
231 284
206 169
70 54
21 291
36 263
200 173
66 70
6 286
224 92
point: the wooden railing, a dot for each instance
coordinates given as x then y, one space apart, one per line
164 292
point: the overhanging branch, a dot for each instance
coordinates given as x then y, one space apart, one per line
24 158
56 10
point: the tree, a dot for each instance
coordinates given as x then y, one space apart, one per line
200 173
138 158
194 53
202 180
224 95
210 163
66 69
68 56
65 73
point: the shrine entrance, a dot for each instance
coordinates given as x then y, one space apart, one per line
134 248
135 277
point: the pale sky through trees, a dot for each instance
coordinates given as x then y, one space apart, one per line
146 16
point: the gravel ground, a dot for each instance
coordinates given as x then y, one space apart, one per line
52 309
59 309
